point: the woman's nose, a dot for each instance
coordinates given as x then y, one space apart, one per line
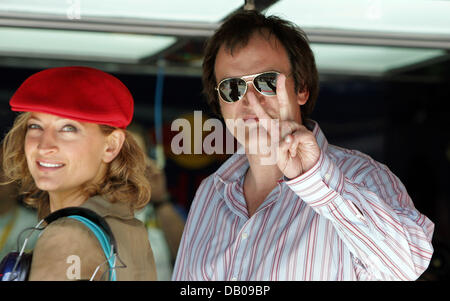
47 143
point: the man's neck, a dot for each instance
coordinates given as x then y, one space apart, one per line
259 181
263 174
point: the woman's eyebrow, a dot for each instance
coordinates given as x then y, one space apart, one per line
35 118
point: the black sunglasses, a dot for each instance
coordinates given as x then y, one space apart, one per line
234 88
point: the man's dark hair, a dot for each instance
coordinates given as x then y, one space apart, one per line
236 32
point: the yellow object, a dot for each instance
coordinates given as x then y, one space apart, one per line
193 161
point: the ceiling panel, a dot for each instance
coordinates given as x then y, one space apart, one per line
371 37
170 10
370 60
402 16
80 45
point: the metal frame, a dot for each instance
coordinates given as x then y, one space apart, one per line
201 30
132 26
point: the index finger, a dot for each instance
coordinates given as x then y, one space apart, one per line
283 100
257 108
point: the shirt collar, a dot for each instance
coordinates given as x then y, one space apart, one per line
318 133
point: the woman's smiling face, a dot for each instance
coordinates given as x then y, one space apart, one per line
63 154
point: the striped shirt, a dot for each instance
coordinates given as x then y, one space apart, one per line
347 218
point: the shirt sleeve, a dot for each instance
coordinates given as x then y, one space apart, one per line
67 250
372 213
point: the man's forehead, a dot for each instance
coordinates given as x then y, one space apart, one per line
262 36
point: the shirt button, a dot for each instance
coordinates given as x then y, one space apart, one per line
233 279
244 235
327 176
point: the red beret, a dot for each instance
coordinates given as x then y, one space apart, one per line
79 93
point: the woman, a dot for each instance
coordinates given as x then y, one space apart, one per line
69 147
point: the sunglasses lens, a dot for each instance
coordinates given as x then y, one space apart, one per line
266 83
232 89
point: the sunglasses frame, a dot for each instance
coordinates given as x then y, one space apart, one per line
253 76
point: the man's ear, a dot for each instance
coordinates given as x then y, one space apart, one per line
114 143
302 96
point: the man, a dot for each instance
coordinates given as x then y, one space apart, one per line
317 212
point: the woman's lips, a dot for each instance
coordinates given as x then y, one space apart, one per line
48 166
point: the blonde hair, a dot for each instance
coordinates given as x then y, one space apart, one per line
124 181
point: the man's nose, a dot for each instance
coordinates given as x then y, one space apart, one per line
252 90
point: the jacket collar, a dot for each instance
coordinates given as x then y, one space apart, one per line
105 208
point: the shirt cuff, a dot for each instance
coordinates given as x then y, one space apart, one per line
313 186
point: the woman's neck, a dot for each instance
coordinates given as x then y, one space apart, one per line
60 200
